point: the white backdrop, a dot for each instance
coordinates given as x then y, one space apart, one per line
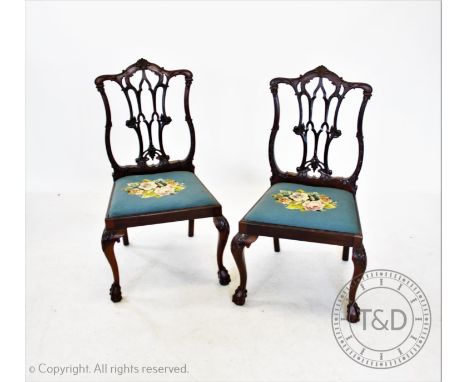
234 49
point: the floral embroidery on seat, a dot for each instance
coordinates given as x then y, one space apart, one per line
304 201
156 188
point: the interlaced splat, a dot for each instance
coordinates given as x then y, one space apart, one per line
140 120
307 124
150 122
308 88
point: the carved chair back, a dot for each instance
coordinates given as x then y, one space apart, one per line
150 122
307 89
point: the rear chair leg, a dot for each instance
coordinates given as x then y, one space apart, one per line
191 225
125 238
238 243
222 226
276 244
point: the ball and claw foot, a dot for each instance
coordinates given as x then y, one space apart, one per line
353 313
223 276
115 293
239 296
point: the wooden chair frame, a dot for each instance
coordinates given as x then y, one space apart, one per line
249 231
116 228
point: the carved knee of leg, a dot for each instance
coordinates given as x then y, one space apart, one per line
238 243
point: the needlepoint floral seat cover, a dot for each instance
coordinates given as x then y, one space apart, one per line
145 194
296 205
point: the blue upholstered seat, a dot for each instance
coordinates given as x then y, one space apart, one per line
189 193
340 215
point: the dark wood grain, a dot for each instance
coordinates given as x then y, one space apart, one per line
152 123
313 170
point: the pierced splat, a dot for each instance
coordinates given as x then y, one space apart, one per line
158 89
308 88
147 119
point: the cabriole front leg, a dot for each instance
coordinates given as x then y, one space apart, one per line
109 237
276 244
238 243
222 225
360 263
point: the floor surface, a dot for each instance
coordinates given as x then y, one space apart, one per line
174 313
